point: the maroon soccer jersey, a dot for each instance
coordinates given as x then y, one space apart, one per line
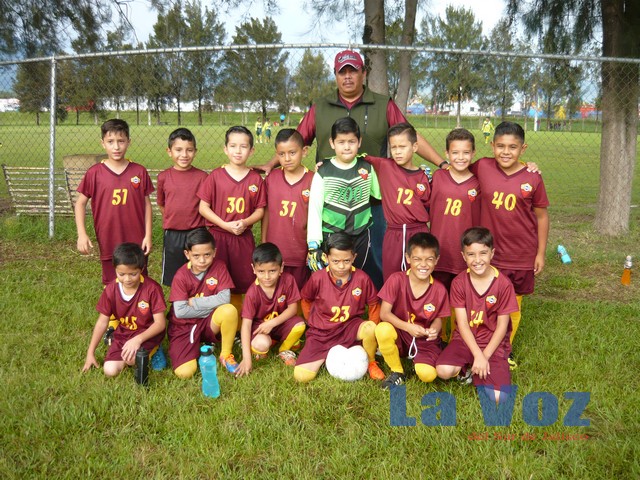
483 309
177 194
186 285
117 204
288 208
405 193
454 207
507 211
136 314
230 199
422 310
333 305
258 307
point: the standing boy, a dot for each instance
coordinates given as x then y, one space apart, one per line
137 303
339 200
487 128
482 298
200 309
413 305
270 310
119 190
405 196
514 209
285 218
333 302
178 202
232 199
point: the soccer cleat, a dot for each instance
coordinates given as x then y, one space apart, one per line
229 363
465 378
512 362
394 378
288 357
108 336
375 373
159 361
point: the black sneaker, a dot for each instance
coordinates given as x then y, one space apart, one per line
512 362
108 336
465 377
394 378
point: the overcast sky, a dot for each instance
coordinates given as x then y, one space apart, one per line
296 25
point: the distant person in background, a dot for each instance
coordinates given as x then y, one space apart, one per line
267 131
258 130
487 129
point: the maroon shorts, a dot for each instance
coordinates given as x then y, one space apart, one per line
458 354
445 278
318 342
235 251
427 351
122 336
185 339
280 332
523 280
109 271
300 274
394 246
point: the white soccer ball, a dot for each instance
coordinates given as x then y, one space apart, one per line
348 364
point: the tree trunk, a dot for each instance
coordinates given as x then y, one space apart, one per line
620 92
404 59
375 60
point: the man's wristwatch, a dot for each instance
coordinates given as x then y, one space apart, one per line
446 162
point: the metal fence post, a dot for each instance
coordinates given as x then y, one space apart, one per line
52 148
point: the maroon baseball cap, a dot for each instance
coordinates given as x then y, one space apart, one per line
348 57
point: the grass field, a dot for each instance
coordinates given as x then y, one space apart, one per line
579 333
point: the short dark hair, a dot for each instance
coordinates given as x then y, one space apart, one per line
344 125
509 128
460 134
266 253
479 235
403 127
115 125
287 134
340 241
182 134
129 254
238 129
199 236
423 240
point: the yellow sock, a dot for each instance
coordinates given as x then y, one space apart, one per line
515 318
226 317
187 369
294 335
448 326
236 301
425 372
256 352
386 336
367 333
303 375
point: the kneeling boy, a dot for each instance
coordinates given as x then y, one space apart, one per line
200 309
413 305
333 301
483 299
270 310
137 303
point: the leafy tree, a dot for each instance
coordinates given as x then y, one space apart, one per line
312 79
32 87
617 21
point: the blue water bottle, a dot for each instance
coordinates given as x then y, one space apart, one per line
564 255
209 371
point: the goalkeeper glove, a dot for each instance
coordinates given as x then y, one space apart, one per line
316 258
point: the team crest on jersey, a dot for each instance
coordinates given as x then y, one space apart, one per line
472 194
212 283
282 298
143 307
356 292
491 300
305 195
253 189
135 181
429 309
420 189
363 173
526 189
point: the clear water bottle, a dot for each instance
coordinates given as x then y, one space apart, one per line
563 254
141 371
626 273
209 371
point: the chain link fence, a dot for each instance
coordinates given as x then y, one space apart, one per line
557 99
